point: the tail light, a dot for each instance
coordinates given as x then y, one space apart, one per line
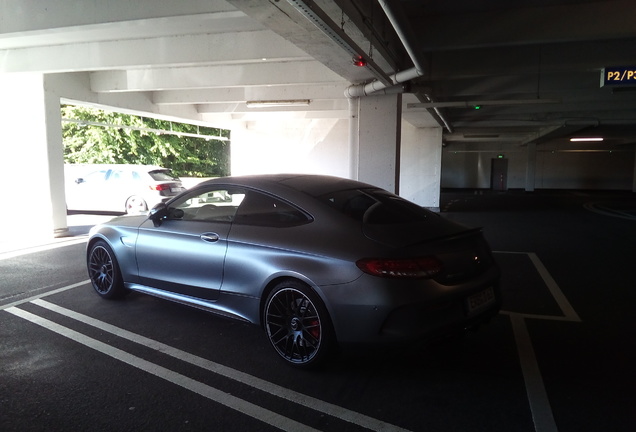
410 268
160 187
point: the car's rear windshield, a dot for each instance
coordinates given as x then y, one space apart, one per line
163 175
375 206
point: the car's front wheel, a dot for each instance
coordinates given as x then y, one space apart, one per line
298 325
103 271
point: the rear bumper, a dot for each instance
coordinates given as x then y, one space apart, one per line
423 321
375 311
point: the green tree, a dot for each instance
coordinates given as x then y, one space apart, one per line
96 136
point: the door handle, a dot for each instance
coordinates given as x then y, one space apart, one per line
210 237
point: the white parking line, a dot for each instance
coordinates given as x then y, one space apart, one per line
40 248
537 395
206 391
535 389
569 314
250 380
556 292
44 294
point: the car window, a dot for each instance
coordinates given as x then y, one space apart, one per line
375 206
163 175
119 175
265 210
208 205
95 176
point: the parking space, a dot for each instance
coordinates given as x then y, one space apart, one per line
558 358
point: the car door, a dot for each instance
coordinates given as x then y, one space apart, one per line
85 190
185 254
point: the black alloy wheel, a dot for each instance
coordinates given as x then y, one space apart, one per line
104 272
297 325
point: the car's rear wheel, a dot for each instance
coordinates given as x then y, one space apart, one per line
298 325
135 205
103 271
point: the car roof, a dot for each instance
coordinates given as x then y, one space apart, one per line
120 166
312 184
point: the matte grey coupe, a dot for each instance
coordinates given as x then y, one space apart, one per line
317 261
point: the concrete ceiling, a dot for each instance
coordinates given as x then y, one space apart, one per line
533 66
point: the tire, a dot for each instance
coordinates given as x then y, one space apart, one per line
135 205
298 325
103 271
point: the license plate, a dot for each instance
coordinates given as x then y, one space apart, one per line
176 189
481 300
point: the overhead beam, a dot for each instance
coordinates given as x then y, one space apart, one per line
185 50
53 14
239 95
316 105
289 73
128 28
282 18
222 118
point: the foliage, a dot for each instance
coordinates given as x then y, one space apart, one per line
94 137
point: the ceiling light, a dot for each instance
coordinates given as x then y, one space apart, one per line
588 139
277 103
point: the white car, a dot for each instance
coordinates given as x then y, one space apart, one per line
118 187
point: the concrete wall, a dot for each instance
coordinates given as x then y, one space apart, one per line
420 165
557 167
322 147
585 170
318 146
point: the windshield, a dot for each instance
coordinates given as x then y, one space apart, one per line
375 206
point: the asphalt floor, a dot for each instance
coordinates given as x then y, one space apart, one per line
567 324
587 240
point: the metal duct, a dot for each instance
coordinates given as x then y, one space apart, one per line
320 19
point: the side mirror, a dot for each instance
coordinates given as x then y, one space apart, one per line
158 213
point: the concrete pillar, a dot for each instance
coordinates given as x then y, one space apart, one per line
531 166
378 141
421 166
634 178
31 158
354 138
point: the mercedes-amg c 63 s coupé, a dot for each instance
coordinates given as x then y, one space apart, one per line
317 261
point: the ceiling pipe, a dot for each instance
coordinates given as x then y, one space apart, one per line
377 87
400 77
481 103
409 49
401 35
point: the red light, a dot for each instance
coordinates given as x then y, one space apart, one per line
160 187
425 267
359 61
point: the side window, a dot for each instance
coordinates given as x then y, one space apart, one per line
208 205
119 176
95 176
265 210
